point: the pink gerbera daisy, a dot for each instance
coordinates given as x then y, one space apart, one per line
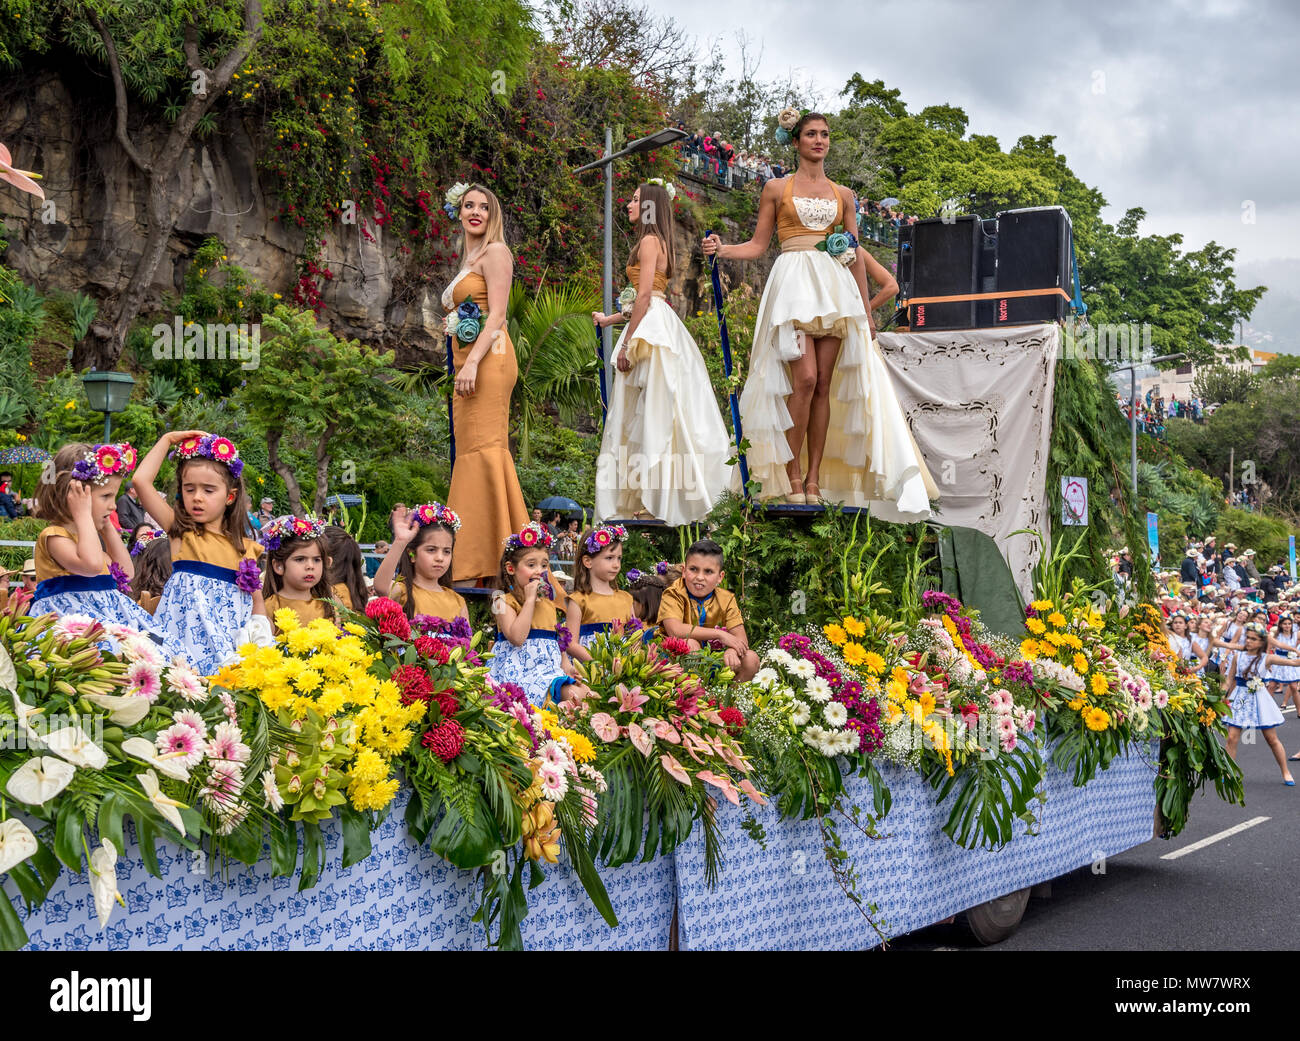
181 743
108 459
553 755
227 744
225 782
183 680
188 717
554 783
142 680
223 449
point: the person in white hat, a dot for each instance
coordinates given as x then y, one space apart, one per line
1248 563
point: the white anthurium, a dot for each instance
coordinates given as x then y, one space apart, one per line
103 881
169 808
17 843
124 709
39 779
24 711
73 744
8 675
142 748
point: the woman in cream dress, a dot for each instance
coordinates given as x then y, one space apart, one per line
485 489
665 448
818 407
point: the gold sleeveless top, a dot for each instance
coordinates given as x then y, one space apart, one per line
788 224
46 566
634 279
474 286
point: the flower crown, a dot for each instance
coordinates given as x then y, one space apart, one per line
451 201
289 527
143 538
530 536
218 449
787 119
604 537
667 186
660 569
1256 628
103 462
436 513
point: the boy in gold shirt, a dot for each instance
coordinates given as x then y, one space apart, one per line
694 609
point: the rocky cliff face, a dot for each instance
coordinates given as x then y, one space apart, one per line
88 234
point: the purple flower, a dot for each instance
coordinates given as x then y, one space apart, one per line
634 575
1019 672
83 471
564 637
248 576
634 624
236 467
661 568
428 623
460 628
119 576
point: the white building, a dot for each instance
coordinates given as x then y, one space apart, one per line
1176 384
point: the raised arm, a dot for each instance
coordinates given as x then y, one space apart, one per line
757 246
147 472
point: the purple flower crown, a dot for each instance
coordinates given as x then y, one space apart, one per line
289 527
103 462
530 536
660 569
604 537
210 446
436 513
143 538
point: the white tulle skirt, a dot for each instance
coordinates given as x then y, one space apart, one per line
871 458
665 447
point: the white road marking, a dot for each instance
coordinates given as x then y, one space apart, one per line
1211 840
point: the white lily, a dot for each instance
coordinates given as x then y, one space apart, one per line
17 843
40 779
72 743
23 712
169 808
142 748
126 709
103 881
8 675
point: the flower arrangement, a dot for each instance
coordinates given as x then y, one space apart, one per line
210 446
248 576
466 322
530 536
281 528
119 575
451 200
660 569
104 462
143 538
842 245
659 742
626 301
436 513
667 186
787 119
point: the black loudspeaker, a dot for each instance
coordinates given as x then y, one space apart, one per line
1033 252
936 258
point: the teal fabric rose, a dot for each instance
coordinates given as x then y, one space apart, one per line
837 243
467 330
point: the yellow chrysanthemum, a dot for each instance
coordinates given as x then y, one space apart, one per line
892 712
938 737
308 680
1029 649
1035 626
299 641
1057 619
354 629
854 627
330 702
1042 605
1075 705
228 677
1055 639
1096 719
1080 664
835 634
854 653
927 703
871 684
583 751
897 691
898 674
1073 642
914 711
874 663
286 619
1099 684
1046 649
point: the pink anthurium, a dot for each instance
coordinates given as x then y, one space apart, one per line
18 178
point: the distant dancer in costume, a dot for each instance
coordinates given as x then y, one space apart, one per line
665 448
485 490
1253 706
819 408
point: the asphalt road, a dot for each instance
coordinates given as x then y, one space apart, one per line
1237 893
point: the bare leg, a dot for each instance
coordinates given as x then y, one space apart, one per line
827 350
803 381
1234 735
1279 753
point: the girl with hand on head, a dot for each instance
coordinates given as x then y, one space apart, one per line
81 562
213 602
419 560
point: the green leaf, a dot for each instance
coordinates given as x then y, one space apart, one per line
13 937
313 855
356 835
68 836
284 847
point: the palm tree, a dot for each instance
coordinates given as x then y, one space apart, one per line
555 347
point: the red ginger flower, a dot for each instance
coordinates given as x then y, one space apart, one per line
445 740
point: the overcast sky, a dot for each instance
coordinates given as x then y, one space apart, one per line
1187 108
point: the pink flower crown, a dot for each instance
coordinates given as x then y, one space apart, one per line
604 537
436 513
143 538
104 462
530 536
218 449
288 527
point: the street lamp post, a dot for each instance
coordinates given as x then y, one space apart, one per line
1132 408
108 392
649 143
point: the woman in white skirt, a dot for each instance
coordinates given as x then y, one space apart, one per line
1253 706
819 408
665 449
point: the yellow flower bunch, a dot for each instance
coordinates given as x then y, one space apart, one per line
583 752
1096 719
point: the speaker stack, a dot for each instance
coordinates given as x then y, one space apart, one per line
966 273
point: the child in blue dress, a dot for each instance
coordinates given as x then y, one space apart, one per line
81 562
213 602
527 651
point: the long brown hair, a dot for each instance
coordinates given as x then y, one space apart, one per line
656 218
345 567
233 519
153 567
52 495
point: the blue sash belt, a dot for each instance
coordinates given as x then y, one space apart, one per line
72 584
534 634
198 567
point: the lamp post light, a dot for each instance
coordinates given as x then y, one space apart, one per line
108 392
649 143
1132 408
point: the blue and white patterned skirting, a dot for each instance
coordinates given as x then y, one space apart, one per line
98 597
200 615
531 666
1253 710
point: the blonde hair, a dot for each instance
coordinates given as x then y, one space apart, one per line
496 225
655 203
